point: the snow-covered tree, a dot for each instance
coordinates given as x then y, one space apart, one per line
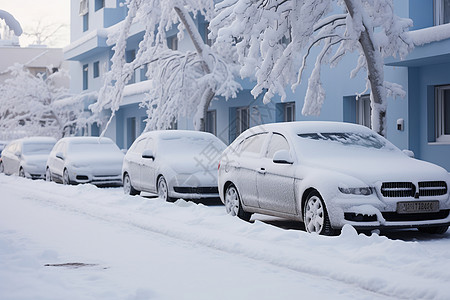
180 83
274 38
38 105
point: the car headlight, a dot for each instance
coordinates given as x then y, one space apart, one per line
364 191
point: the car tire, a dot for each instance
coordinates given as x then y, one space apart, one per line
233 204
48 175
2 169
315 215
128 188
163 190
434 230
66 178
21 172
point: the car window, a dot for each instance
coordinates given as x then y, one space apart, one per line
150 145
277 142
139 146
37 148
253 144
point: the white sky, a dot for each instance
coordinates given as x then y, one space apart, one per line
49 12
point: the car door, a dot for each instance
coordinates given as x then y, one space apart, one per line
56 160
148 168
275 181
249 155
134 160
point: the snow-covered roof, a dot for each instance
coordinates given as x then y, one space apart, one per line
88 140
173 134
311 127
38 140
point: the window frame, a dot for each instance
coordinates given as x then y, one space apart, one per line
362 116
96 69
439 13
286 106
85 71
440 119
239 122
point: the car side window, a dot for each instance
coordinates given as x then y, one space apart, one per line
150 145
140 146
253 144
277 143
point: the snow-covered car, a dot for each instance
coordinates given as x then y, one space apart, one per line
173 163
93 160
328 174
27 157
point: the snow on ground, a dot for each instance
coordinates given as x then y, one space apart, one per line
102 244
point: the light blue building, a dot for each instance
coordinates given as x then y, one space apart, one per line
419 122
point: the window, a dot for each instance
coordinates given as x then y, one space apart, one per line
131 131
84 7
242 119
441 12
363 111
443 113
172 42
206 32
143 71
85 77
130 56
210 122
253 144
277 143
289 112
99 4
86 22
96 69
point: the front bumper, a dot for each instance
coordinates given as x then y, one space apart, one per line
85 176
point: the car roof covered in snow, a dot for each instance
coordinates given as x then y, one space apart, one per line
87 140
37 140
300 127
175 134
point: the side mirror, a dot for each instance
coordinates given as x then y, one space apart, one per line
17 153
60 155
283 157
148 154
408 153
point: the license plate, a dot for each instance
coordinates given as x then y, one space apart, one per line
411 207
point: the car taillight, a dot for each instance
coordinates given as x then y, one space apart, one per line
218 166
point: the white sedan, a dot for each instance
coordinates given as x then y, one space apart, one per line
85 160
328 174
26 157
173 163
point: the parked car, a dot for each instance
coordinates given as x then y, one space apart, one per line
2 146
26 157
173 163
93 160
328 174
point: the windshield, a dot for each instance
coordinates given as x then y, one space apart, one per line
342 143
37 148
190 147
93 148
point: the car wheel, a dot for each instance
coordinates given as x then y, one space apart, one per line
21 172
233 204
434 230
163 190
315 215
66 179
48 175
128 187
1 167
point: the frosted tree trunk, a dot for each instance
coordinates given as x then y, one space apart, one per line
202 51
375 74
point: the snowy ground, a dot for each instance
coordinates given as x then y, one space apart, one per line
82 242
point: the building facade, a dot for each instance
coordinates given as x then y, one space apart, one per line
419 122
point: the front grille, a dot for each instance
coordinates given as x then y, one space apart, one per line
395 217
196 190
398 189
82 177
432 188
408 189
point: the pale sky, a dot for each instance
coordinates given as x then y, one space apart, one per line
49 12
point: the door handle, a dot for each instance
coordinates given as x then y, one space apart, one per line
262 171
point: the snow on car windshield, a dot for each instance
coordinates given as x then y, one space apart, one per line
347 138
342 143
92 147
192 146
37 148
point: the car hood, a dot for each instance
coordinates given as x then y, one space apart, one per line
190 164
382 167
